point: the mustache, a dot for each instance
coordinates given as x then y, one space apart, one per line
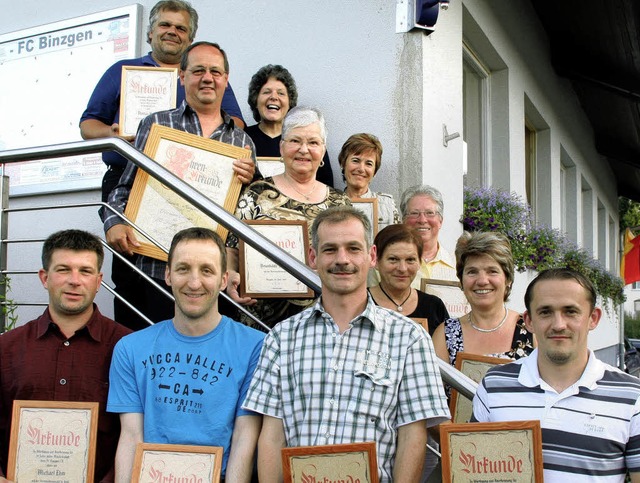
343 269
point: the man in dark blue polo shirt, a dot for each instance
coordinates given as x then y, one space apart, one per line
172 28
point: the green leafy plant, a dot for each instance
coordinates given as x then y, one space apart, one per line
535 246
8 306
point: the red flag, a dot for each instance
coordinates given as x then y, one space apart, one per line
630 265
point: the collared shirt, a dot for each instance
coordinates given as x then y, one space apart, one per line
184 119
442 267
37 362
590 431
361 385
104 104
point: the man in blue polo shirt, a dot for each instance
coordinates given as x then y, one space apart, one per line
172 28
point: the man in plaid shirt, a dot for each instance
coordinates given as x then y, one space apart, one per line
346 370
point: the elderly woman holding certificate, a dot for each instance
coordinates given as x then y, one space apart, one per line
292 195
485 267
360 159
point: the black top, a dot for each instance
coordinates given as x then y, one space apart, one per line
429 307
267 146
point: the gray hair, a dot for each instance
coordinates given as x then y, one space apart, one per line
302 116
338 214
174 6
421 190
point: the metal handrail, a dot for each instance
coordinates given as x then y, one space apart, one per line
450 375
197 199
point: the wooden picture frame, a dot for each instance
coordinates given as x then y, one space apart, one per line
335 462
143 91
205 164
504 451
369 206
475 367
270 166
262 278
53 439
450 292
161 462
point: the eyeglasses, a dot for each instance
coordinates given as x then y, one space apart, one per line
200 71
414 215
312 144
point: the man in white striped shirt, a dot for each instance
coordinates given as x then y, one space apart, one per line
589 411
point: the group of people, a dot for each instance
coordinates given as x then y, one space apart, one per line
348 366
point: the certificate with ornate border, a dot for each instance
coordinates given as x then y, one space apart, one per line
262 278
338 462
205 164
506 451
449 292
143 91
474 366
176 462
270 166
369 206
53 441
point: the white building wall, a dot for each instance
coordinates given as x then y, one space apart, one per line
348 61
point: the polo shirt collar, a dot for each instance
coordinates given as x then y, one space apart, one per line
43 325
530 376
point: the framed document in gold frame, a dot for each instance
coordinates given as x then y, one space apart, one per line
53 441
143 91
176 462
262 278
205 164
369 206
338 462
450 292
475 367
505 451
270 166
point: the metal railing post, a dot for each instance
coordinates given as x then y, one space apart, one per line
4 222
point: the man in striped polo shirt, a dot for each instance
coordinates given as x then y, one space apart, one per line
589 411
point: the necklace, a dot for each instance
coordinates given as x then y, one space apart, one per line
394 302
480 329
305 196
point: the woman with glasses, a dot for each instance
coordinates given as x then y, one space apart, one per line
485 268
422 208
272 92
360 159
295 194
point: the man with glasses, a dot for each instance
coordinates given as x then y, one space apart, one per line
204 73
422 208
172 27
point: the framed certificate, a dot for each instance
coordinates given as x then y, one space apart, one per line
262 278
506 451
270 166
369 206
450 293
53 441
205 164
176 462
475 367
143 91
338 462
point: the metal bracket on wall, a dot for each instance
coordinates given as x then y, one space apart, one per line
446 137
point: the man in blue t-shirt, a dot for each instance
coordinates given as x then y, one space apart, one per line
183 381
172 27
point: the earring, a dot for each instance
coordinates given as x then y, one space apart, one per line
322 163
